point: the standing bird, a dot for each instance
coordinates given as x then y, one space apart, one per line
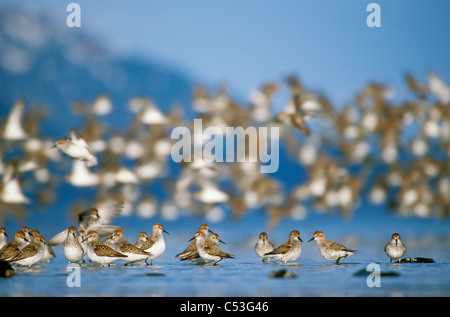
212 239
155 245
191 250
264 246
142 237
395 249
49 254
99 252
31 253
209 251
132 252
12 248
72 249
288 251
331 250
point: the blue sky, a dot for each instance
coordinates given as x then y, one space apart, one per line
246 43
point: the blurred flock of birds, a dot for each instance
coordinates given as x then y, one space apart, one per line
373 149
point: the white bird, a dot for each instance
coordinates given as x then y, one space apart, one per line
13 129
395 249
77 148
81 176
72 250
11 190
155 245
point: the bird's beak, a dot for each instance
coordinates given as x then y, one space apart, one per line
210 231
165 231
84 239
26 240
301 239
222 241
191 239
396 242
311 239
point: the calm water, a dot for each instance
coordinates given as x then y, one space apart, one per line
247 275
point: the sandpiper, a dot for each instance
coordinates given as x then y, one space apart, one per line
288 251
49 253
27 232
12 248
77 148
395 249
209 251
132 252
264 246
142 237
31 253
72 249
99 252
212 239
81 239
3 237
155 245
331 250
191 250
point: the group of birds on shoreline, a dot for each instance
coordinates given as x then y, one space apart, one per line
29 247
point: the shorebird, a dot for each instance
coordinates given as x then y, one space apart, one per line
395 249
10 187
263 246
191 250
72 249
49 254
155 245
99 252
77 148
142 237
331 250
209 251
31 253
12 248
13 130
288 251
212 239
132 252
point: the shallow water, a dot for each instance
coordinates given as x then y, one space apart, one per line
246 275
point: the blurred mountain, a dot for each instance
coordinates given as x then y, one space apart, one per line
52 65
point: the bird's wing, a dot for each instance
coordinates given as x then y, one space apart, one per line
77 139
109 211
105 230
25 252
59 238
104 250
285 247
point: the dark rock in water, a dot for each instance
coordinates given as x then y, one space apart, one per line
6 269
282 274
365 273
154 274
416 260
